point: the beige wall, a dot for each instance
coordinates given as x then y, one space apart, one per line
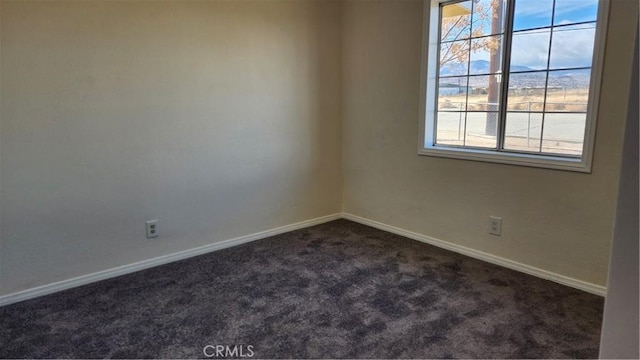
554 220
219 118
225 118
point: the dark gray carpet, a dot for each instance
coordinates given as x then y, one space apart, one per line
331 291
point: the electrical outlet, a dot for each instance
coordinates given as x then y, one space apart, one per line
152 229
495 225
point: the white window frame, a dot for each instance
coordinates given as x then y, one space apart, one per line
428 96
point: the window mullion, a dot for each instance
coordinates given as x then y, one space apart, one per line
466 99
506 63
546 80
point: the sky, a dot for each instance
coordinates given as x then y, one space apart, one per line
571 46
534 13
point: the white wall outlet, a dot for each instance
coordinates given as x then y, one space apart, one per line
152 229
495 225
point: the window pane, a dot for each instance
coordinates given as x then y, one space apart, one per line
550 51
454 58
573 11
456 21
531 14
452 94
523 131
486 57
481 129
563 133
484 93
530 50
450 128
568 90
572 46
526 91
488 17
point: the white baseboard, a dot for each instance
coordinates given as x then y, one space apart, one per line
561 279
165 259
161 260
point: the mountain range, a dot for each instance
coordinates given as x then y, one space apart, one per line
476 67
562 78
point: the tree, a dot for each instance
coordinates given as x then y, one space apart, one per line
459 23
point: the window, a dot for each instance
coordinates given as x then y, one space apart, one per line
512 81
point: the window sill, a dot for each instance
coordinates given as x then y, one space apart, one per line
531 160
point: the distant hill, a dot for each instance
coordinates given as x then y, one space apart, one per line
562 78
476 67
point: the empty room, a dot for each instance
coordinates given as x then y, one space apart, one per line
319 179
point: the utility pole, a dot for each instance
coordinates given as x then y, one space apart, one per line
494 69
